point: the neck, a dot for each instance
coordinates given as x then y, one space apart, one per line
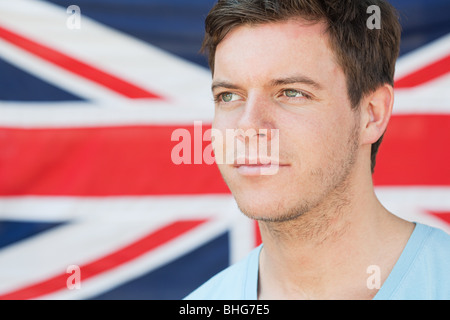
325 253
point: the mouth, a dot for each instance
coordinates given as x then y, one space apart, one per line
258 167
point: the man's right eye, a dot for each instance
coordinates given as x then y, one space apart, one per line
228 97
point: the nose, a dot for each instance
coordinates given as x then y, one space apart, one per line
257 119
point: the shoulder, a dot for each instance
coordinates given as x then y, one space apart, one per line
237 282
428 276
436 248
435 242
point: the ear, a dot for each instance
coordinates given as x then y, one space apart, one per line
376 112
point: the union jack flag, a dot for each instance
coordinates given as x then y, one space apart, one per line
86 176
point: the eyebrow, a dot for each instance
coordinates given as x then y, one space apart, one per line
223 84
274 83
296 79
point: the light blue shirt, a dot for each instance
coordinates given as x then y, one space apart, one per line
421 273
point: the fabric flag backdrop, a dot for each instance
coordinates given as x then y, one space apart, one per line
91 204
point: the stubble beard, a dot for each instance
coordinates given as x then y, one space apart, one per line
314 214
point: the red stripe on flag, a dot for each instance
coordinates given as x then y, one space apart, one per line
108 262
100 162
415 151
77 67
444 216
425 74
258 239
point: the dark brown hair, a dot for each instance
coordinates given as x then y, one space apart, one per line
366 55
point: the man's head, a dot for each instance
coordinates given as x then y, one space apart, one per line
311 69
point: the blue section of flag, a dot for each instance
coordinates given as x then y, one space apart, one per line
19 85
422 21
176 26
14 231
177 279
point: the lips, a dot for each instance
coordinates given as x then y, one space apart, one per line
257 167
255 162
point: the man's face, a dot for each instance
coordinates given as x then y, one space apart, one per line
283 76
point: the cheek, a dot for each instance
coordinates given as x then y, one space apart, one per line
224 120
313 141
224 140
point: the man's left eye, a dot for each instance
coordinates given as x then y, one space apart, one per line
293 93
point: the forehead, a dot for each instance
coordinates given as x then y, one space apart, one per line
280 48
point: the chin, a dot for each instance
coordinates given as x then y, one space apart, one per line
259 198
269 206
269 214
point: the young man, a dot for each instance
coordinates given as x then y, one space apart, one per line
314 71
